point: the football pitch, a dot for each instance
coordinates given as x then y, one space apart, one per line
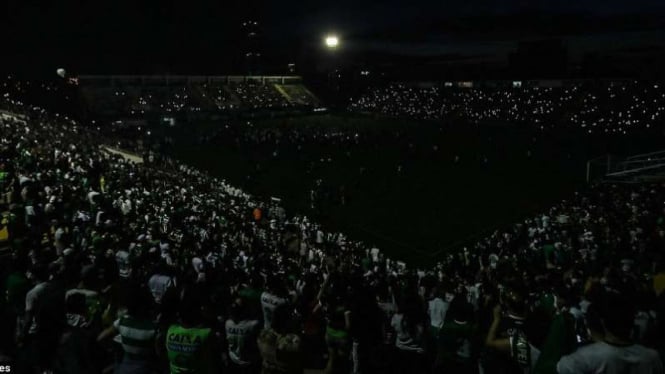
417 190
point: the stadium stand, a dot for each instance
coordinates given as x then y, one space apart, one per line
609 107
179 271
149 95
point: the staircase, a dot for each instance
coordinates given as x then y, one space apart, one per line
283 92
297 94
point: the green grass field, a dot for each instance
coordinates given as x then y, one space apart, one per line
436 204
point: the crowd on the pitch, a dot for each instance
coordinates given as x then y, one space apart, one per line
601 107
158 267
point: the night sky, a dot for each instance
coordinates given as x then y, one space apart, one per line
189 36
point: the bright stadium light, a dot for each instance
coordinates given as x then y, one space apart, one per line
332 41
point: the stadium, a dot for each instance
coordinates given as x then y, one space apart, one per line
350 202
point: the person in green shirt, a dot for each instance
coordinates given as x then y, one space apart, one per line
561 337
549 251
190 344
137 333
12 303
251 292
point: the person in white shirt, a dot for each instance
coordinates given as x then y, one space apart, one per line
375 254
241 334
274 296
44 318
437 308
319 237
616 353
410 335
158 284
86 288
126 206
33 299
124 267
606 358
92 195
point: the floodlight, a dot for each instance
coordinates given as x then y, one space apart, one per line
332 41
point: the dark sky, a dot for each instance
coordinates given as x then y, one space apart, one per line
190 36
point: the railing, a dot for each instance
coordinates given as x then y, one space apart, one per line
605 167
646 155
637 170
638 163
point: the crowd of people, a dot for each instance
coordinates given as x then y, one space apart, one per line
259 95
138 99
610 107
220 96
154 267
166 100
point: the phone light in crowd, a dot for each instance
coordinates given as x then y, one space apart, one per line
332 41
